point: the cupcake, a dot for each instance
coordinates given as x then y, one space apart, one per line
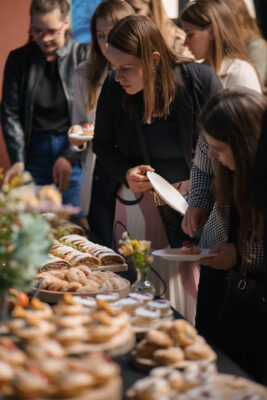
143 297
129 304
145 316
162 305
88 129
108 297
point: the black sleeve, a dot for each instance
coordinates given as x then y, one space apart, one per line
105 139
10 111
258 185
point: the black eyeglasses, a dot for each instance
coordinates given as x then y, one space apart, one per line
52 33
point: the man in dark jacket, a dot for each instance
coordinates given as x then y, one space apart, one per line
37 101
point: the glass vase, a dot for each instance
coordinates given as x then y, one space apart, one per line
142 284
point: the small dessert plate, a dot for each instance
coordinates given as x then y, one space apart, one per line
167 192
174 255
79 135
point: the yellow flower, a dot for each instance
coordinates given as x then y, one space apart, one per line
2 174
126 250
144 245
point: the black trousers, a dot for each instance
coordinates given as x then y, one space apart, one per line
242 333
211 290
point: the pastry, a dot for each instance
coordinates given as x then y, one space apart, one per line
145 349
172 355
70 336
198 374
145 316
150 388
88 129
189 248
100 367
174 377
45 348
163 305
129 304
71 383
87 302
198 351
183 333
55 263
108 297
10 353
6 372
105 255
142 297
76 275
159 339
31 383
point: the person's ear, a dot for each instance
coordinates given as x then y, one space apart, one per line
156 58
67 22
211 32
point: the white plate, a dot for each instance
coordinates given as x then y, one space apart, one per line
167 192
80 136
173 255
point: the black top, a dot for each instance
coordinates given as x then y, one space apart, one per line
50 108
163 143
170 142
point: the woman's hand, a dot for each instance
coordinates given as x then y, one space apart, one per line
75 129
194 219
225 257
137 180
16 169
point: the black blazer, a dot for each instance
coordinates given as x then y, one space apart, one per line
115 130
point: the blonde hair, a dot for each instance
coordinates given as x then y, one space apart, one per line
227 41
247 25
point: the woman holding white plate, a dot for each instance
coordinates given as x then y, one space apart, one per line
149 125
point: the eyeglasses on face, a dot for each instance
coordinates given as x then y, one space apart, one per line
52 33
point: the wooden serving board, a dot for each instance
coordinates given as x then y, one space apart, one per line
120 344
146 364
50 296
112 268
111 391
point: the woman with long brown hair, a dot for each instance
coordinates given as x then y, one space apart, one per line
231 122
157 97
213 36
89 79
250 34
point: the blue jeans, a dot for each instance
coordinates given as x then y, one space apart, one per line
43 151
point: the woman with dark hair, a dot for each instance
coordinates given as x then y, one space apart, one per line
37 101
150 124
89 79
231 122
